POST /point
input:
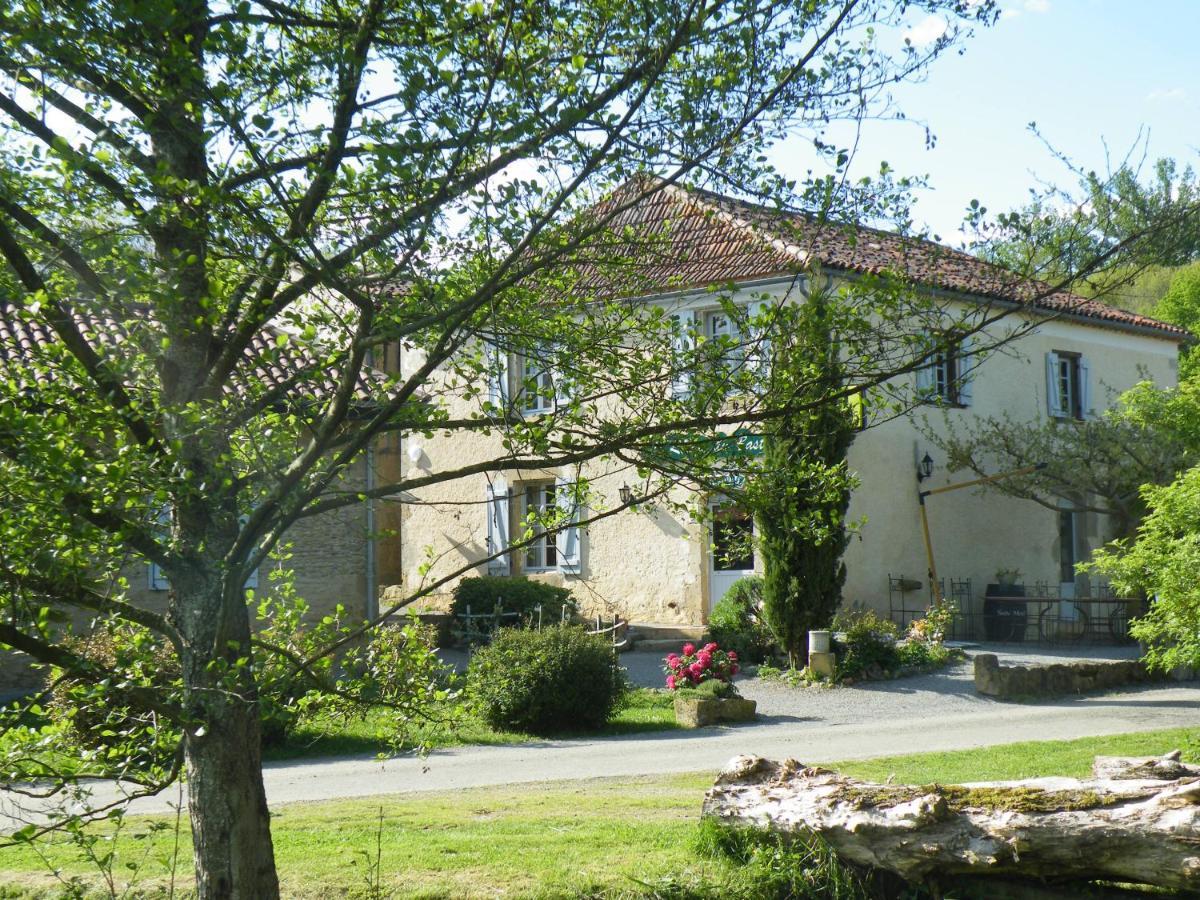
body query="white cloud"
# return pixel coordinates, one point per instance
(1161, 95)
(926, 31)
(1033, 6)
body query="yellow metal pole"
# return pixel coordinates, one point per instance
(921, 495)
(965, 484)
(933, 576)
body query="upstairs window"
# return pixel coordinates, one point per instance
(1067, 389)
(946, 380)
(538, 386)
(720, 326)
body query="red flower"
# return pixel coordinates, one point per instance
(689, 649)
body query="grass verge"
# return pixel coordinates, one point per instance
(603, 838)
(645, 710)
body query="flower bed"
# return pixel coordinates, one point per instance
(702, 681)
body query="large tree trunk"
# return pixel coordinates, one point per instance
(231, 829)
(227, 804)
(1137, 821)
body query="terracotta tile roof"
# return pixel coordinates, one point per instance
(689, 238)
(26, 339)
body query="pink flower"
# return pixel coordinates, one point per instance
(710, 647)
(695, 670)
(689, 649)
(732, 654)
(670, 682)
(704, 658)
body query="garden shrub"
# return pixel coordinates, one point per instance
(520, 595)
(545, 681)
(737, 623)
(868, 645)
(922, 654)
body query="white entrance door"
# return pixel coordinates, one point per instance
(732, 553)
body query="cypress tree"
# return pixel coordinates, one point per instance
(801, 497)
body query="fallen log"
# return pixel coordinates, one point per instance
(1128, 824)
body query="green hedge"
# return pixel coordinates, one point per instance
(515, 595)
(552, 680)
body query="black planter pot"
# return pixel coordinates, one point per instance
(1004, 613)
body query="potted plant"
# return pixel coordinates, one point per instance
(702, 681)
(1009, 577)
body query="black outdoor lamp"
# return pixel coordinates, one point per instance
(924, 468)
(626, 493)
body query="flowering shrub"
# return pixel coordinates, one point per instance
(933, 628)
(692, 667)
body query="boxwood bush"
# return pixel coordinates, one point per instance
(518, 595)
(546, 681)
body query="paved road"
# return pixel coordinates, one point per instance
(935, 712)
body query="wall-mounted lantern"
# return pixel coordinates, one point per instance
(924, 467)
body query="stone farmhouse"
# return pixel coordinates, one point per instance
(657, 569)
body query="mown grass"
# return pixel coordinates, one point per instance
(644, 710)
(1029, 759)
(604, 838)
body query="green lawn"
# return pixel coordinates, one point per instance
(595, 838)
(645, 710)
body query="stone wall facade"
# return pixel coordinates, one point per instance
(328, 553)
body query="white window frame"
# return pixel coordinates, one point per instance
(541, 555)
(538, 373)
(945, 381)
(720, 324)
(1067, 385)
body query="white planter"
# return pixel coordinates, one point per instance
(819, 641)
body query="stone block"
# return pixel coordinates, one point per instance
(696, 712)
(987, 674)
(822, 663)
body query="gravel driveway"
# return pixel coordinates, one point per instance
(947, 692)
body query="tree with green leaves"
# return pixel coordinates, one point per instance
(1160, 563)
(1097, 465)
(214, 218)
(1139, 225)
(801, 495)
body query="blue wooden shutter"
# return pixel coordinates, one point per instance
(497, 527)
(570, 548)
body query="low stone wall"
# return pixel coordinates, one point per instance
(1057, 679)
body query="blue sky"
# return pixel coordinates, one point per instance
(1087, 71)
